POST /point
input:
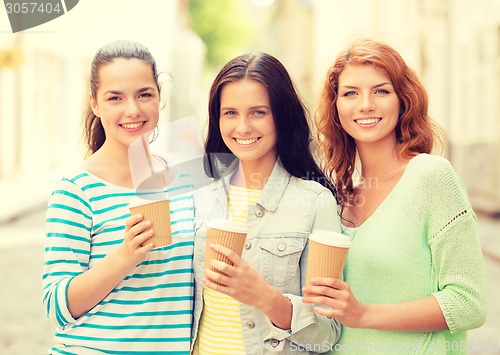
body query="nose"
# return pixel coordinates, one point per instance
(132, 109)
(244, 126)
(366, 103)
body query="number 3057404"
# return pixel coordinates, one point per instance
(32, 8)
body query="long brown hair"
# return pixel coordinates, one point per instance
(94, 131)
(289, 113)
(416, 132)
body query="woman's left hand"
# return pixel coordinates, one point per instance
(338, 298)
(241, 281)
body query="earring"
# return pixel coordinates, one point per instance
(155, 134)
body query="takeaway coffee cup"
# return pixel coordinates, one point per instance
(158, 213)
(327, 254)
(227, 233)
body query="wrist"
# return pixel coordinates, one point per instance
(268, 300)
(366, 318)
(276, 302)
(123, 259)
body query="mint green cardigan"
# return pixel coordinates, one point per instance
(420, 241)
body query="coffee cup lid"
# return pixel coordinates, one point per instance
(147, 199)
(228, 225)
(326, 237)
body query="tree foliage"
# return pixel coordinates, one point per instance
(223, 26)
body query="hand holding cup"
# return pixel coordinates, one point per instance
(327, 254)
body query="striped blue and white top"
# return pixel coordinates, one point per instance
(150, 311)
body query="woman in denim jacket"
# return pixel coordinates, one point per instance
(264, 176)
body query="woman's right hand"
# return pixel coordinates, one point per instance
(339, 300)
(135, 244)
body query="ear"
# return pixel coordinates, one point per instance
(93, 105)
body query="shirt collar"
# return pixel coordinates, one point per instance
(273, 191)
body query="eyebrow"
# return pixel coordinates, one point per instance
(251, 108)
(116, 92)
(373, 87)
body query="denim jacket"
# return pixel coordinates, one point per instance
(279, 225)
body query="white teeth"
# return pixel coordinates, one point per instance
(246, 141)
(367, 121)
(132, 125)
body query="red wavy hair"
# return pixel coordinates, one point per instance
(416, 132)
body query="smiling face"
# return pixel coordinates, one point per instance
(246, 122)
(127, 101)
(367, 105)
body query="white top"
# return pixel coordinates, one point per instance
(348, 230)
(330, 238)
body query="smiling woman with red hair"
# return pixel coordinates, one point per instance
(414, 277)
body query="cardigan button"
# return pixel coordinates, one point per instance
(259, 213)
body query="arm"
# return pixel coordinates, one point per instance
(92, 286)
(456, 253)
(289, 318)
(247, 285)
(309, 327)
(459, 300)
(67, 255)
(67, 247)
(422, 315)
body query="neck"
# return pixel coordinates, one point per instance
(252, 175)
(119, 159)
(111, 165)
(377, 160)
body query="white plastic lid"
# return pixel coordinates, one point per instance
(228, 225)
(147, 199)
(334, 239)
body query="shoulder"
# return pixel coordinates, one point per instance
(441, 187)
(435, 174)
(308, 186)
(79, 184)
(317, 194)
(205, 197)
(76, 176)
(431, 163)
(431, 169)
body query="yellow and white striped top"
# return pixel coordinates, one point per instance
(220, 329)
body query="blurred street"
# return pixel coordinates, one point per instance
(24, 328)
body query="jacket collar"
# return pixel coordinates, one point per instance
(273, 190)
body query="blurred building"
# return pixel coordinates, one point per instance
(454, 46)
(44, 74)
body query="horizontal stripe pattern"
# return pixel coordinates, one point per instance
(220, 329)
(238, 201)
(150, 311)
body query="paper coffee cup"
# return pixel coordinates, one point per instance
(227, 233)
(158, 213)
(327, 254)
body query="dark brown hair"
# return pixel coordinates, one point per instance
(94, 131)
(289, 113)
